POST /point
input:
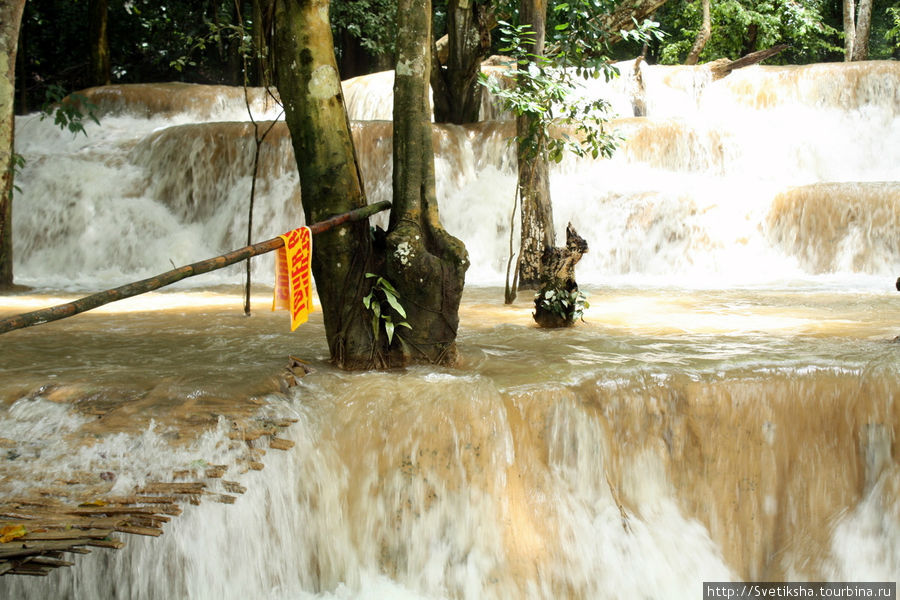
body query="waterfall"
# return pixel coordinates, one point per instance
(705, 190)
(451, 487)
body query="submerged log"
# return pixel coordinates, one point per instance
(81, 305)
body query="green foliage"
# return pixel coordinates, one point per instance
(372, 22)
(743, 26)
(147, 39)
(545, 86)
(215, 35)
(383, 302)
(892, 35)
(566, 304)
(67, 111)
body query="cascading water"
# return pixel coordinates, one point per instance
(727, 411)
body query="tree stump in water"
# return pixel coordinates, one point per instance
(558, 302)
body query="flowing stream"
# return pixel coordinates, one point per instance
(728, 410)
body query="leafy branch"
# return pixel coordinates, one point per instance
(216, 34)
(67, 110)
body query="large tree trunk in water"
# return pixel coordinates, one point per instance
(330, 182)
(537, 210)
(702, 36)
(534, 173)
(10, 19)
(99, 19)
(459, 97)
(425, 264)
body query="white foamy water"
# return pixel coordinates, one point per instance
(689, 198)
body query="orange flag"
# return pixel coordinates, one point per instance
(293, 277)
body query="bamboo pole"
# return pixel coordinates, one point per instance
(61, 311)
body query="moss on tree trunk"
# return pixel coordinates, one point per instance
(425, 263)
(418, 257)
(330, 182)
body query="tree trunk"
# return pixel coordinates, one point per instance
(849, 28)
(534, 172)
(425, 263)
(234, 61)
(10, 19)
(857, 21)
(330, 182)
(863, 24)
(99, 19)
(537, 210)
(468, 25)
(558, 278)
(261, 32)
(702, 36)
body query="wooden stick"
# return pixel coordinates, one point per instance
(67, 535)
(81, 305)
(173, 488)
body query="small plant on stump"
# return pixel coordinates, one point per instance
(559, 307)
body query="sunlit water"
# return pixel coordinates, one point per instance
(727, 410)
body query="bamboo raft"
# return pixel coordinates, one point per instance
(38, 532)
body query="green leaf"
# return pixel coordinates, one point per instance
(386, 286)
(395, 304)
(389, 328)
(375, 326)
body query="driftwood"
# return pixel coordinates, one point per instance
(722, 67)
(81, 305)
